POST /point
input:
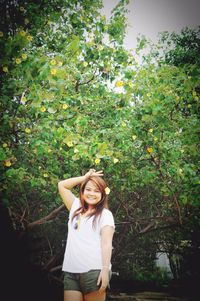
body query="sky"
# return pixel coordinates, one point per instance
(148, 17)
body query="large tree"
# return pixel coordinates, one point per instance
(73, 97)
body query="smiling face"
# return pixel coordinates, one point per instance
(92, 195)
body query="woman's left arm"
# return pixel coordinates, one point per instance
(106, 250)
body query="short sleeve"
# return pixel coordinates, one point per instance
(76, 204)
(107, 219)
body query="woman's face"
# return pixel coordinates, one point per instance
(91, 194)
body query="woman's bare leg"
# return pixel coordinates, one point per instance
(73, 296)
(97, 296)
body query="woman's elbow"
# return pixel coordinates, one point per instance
(107, 245)
(60, 185)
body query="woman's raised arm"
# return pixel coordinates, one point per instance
(64, 188)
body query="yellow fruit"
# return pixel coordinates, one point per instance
(23, 99)
(45, 175)
(5, 69)
(180, 171)
(24, 56)
(97, 161)
(115, 160)
(107, 190)
(29, 38)
(22, 33)
(22, 8)
(119, 84)
(69, 143)
(18, 61)
(134, 137)
(123, 124)
(7, 163)
(53, 71)
(85, 64)
(149, 150)
(4, 145)
(43, 109)
(53, 62)
(27, 130)
(26, 21)
(65, 106)
(150, 130)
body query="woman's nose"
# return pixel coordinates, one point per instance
(91, 193)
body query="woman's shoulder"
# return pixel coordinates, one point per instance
(107, 212)
(75, 205)
(107, 218)
(76, 201)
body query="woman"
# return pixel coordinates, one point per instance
(91, 226)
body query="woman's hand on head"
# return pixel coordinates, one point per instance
(94, 173)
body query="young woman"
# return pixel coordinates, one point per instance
(87, 259)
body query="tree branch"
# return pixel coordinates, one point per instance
(48, 217)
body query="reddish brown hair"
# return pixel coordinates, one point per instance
(103, 203)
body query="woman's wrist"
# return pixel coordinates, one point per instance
(85, 176)
(105, 267)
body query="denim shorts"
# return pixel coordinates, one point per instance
(83, 282)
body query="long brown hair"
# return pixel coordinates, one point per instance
(103, 203)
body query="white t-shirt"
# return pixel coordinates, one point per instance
(83, 249)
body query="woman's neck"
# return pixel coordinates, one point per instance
(89, 210)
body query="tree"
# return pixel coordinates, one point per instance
(55, 70)
(72, 98)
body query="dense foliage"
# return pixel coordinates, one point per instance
(72, 98)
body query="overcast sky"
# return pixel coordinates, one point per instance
(149, 17)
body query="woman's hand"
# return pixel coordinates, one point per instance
(94, 173)
(103, 280)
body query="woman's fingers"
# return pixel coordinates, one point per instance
(100, 172)
(103, 280)
(102, 287)
(93, 172)
(96, 173)
(99, 279)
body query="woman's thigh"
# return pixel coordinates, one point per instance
(73, 296)
(97, 296)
